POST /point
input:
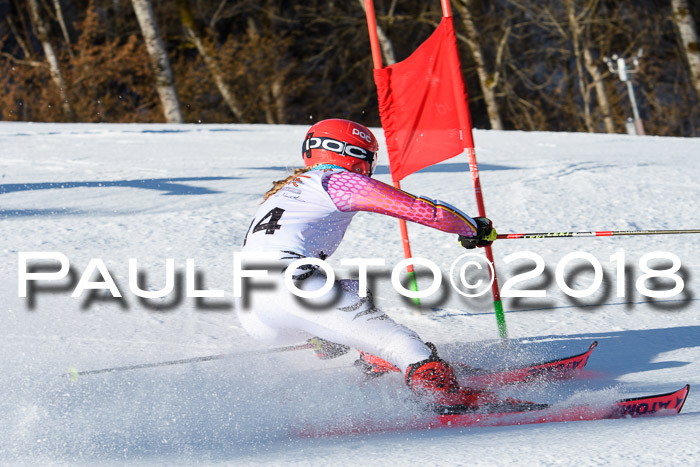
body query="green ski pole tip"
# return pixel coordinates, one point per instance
(73, 374)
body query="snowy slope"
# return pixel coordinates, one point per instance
(154, 192)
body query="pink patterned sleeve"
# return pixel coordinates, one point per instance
(354, 192)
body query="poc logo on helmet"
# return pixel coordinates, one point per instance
(362, 135)
(339, 147)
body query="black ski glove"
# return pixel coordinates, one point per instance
(485, 235)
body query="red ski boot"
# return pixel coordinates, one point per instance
(434, 380)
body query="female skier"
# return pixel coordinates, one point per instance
(306, 215)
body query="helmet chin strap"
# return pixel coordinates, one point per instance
(334, 167)
(327, 166)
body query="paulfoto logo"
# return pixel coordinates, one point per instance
(470, 275)
(564, 267)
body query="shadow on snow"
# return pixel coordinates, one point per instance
(169, 186)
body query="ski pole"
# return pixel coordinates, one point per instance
(74, 373)
(603, 233)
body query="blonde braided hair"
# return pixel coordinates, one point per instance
(277, 186)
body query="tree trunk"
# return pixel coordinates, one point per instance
(594, 71)
(488, 81)
(159, 59)
(601, 94)
(279, 98)
(51, 58)
(575, 28)
(689, 37)
(583, 54)
(195, 35)
(20, 41)
(64, 29)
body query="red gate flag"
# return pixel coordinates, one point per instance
(418, 105)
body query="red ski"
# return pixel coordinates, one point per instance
(554, 369)
(657, 405)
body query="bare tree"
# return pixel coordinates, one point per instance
(565, 42)
(271, 68)
(575, 28)
(62, 23)
(194, 34)
(159, 59)
(487, 80)
(689, 37)
(579, 23)
(26, 50)
(51, 57)
(600, 92)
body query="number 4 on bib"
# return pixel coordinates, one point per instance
(270, 226)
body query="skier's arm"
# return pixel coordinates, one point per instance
(354, 192)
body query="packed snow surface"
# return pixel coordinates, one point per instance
(156, 192)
